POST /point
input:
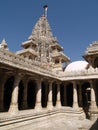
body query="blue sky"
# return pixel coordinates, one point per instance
(73, 22)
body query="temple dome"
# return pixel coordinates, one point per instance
(77, 66)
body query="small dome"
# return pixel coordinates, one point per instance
(77, 66)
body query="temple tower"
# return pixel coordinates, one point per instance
(42, 46)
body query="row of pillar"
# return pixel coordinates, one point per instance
(14, 99)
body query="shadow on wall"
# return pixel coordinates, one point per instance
(94, 126)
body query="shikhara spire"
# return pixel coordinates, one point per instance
(42, 46)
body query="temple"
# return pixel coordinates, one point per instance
(40, 82)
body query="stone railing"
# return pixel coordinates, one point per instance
(17, 61)
(86, 74)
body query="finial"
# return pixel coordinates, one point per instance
(4, 44)
(45, 10)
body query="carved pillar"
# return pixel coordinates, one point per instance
(24, 103)
(93, 107)
(14, 100)
(38, 105)
(93, 99)
(58, 102)
(75, 96)
(49, 103)
(2, 82)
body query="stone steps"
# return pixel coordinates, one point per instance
(29, 119)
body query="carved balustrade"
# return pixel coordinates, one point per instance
(17, 61)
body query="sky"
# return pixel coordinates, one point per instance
(73, 22)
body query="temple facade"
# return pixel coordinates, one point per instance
(41, 77)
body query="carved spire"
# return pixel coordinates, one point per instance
(4, 44)
(41, 28)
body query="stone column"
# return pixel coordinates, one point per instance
(38, 105)
(75, 96)
(2, 82)
(14, 99)
(49, 103)
(24, 103)
(58, 102)
(93, 105)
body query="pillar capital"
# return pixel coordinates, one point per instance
(39, 79)
(58, 83)
(18, 76)
(79, 83)
(25, 79)
(74, 82)
(50, 82)
(91, 82)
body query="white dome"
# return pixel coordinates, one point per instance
(77, 66)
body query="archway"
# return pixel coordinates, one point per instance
(8, 92)
(69, 94)
(31, 94)
(20, 95)
(62, 94)
(54, 93)
(44, 91)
